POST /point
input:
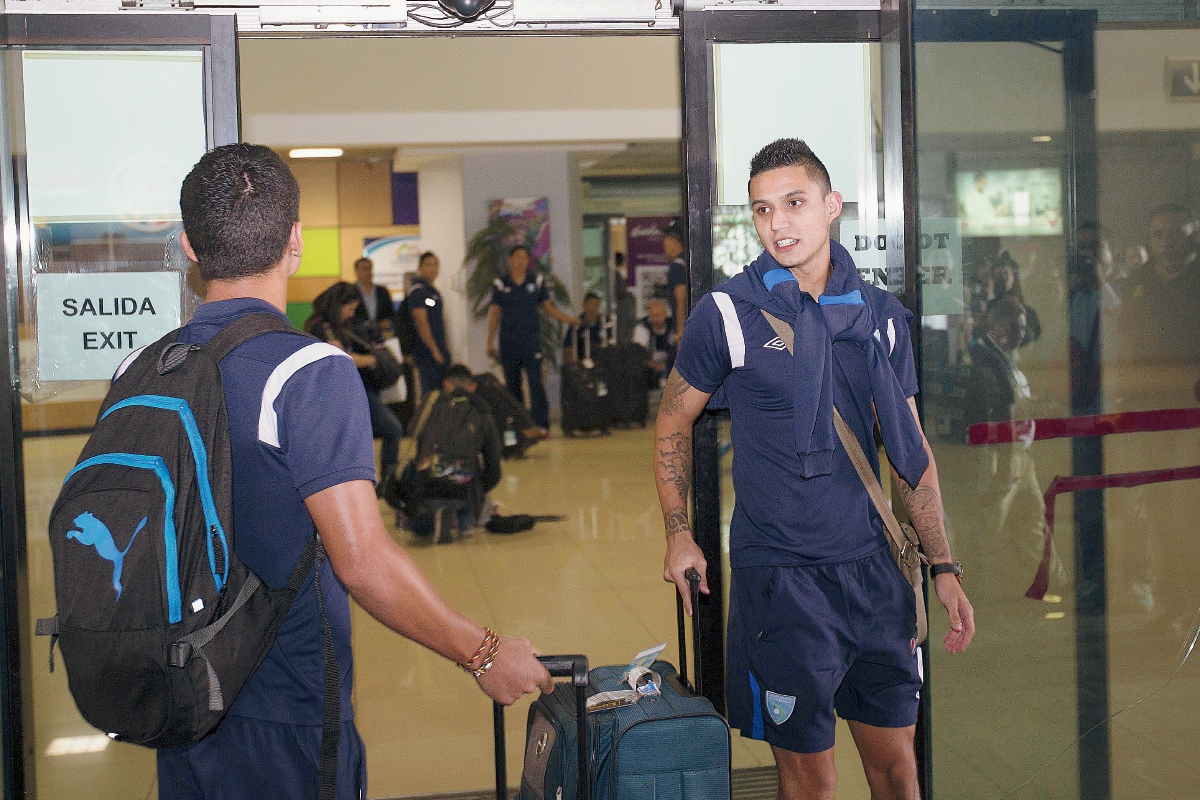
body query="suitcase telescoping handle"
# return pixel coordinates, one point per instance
(693, 579)
(575, 668)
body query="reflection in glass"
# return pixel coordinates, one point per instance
(1060, 403)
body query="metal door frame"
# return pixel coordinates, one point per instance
(217, 36)
(700, 30)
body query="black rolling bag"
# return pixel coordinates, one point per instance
(585, 402)
(627, 377)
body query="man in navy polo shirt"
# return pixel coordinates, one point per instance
(516, 299)
(821, 621)
(677, 275)
(425, 303)
(303, 459)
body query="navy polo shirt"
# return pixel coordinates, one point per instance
(676, 276)
(780, 518)
(520, 326)
(593, 333)
(298, 424)
(425, 295)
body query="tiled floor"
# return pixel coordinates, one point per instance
(1005, 712)
(590, 584)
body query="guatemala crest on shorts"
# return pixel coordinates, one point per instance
(780, 707)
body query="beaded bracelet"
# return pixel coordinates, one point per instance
(488, 650)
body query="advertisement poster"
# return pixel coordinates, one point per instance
(647, 263)
(531, 218)
(735, 242)
(394, 256)
(1010, 202)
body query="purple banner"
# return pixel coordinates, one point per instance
(643, 237)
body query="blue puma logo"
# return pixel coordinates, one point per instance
(95, 533)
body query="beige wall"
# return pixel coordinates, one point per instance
(349, 195)
(1131, 92)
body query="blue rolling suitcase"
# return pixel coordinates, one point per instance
(667, 747)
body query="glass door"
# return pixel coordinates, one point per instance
(751, 77)
(105, 115)
(1057, 150)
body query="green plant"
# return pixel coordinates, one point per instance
(488, 251)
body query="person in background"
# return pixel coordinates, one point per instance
(444, 424)
(335, 320)
(677, 276)
(626, 302)
(657, 335)
(590, 336)
(430, 354)
(516, 299)
(376, 309)
(1006, 282)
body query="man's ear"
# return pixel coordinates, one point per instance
(833, 205)
(186, 244)
(295, 249)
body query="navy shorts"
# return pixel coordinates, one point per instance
(808, 642)
(250, 759)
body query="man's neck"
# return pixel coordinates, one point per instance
(813, 275)
(366, 287)
(269, 286)
(519, 277)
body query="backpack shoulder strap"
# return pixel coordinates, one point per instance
(245, 328)
(425, 412)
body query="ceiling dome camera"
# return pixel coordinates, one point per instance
(466, 9)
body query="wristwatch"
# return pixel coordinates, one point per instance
(952, 567)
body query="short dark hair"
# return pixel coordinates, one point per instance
(791, 153)
(364, 260)
(590, 296)
(239, 204)
(425, 255)
(517, 247)
(458, 372)
(459, 377)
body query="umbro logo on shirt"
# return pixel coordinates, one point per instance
(775, 344)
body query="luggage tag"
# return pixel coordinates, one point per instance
(510, 438)
(602, 701)
(639, 676)
(601, 389)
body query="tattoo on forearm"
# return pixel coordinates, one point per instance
(675, 462)
(677, 523)
(924, 506)
(672, 399)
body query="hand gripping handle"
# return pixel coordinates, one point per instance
(574, 667)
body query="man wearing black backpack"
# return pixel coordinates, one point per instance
(302, 458)
(457, 462)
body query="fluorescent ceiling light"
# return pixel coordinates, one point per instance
(315, 152)
(1043, 138)
(74, 745)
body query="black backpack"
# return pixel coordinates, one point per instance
(449, 438)
(159, 623)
